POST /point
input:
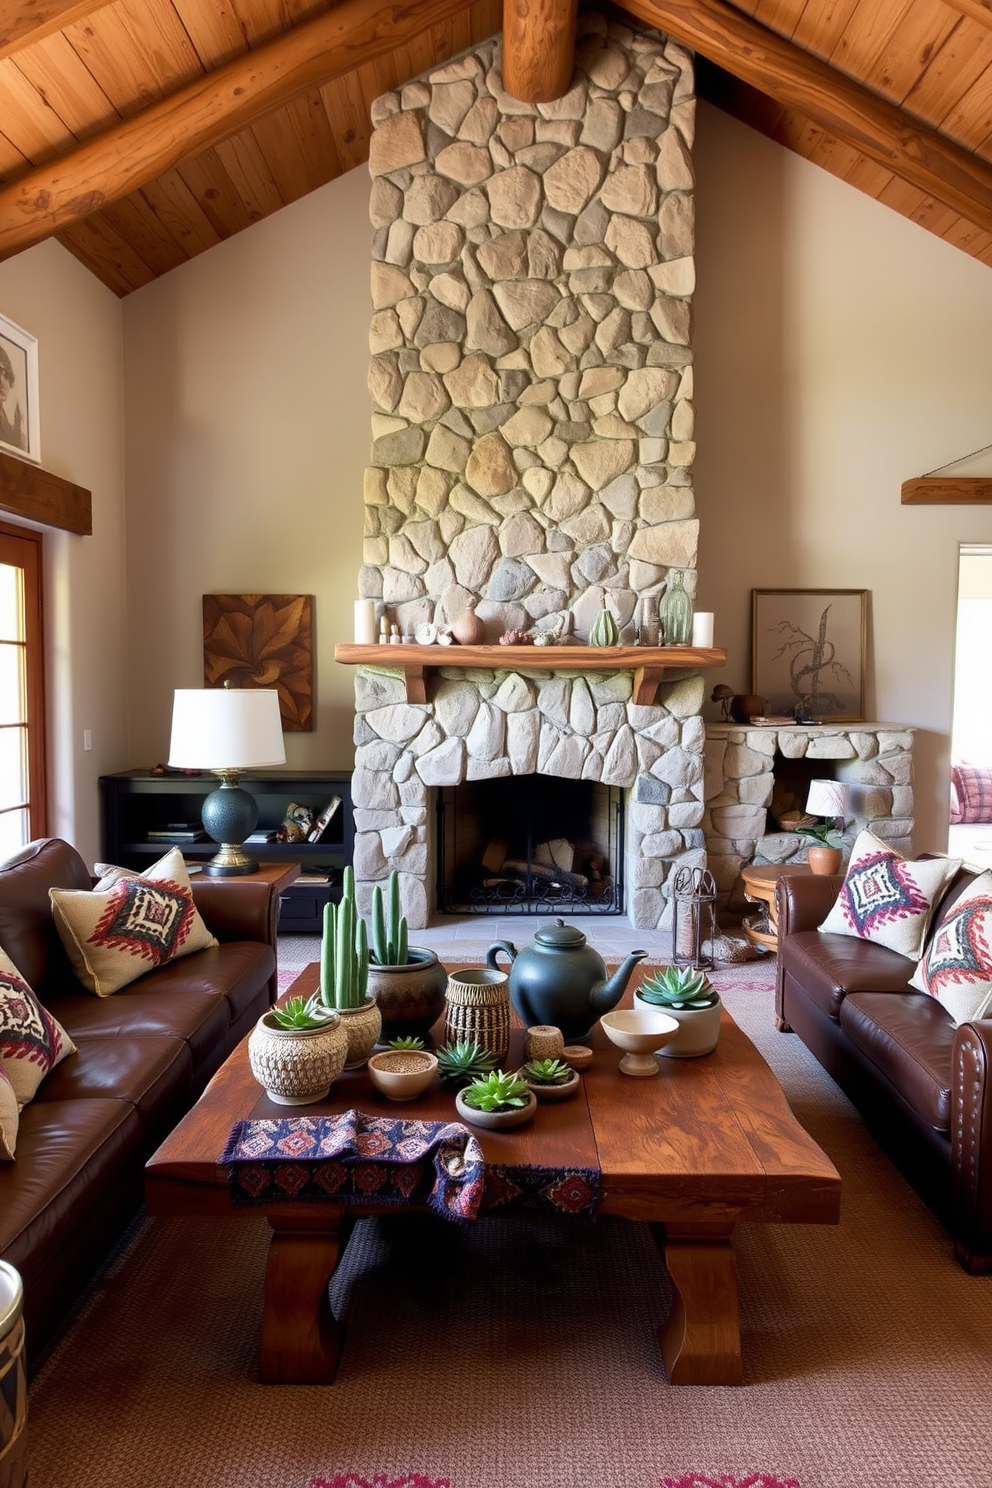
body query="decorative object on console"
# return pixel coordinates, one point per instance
(829, 799)
(887, 898)
(20, 423)
(689, 997)
(675, 614)
(640, 1032)
(299, 1064)
(693, 916)
(344, 970)
(561, 980)
(810, 644)
(468, 629)
(956, 965)
(262, 640)
(228, 730)
(477, 1008)
(297, 824)
(128, 923)
(604, 630)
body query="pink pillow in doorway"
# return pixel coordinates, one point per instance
(971, 793)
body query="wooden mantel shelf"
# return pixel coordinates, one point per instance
(650, 664)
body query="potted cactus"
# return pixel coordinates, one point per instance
(689, 997)
(496, 1100)
(298, 1050)
(344, 970)
(550, 1079)
(408, 982)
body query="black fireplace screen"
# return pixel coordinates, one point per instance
(530, 844)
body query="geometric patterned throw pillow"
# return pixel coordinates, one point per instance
(115, 934)
(887, 898)
(9, 1116)
(956, 966)
(31, 1041)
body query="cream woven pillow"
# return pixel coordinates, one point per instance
(31, 1041)
(9, 1117)
(129, 924)
(887, 898)
(956, 966)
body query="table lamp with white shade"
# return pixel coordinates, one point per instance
(227, 730)
(827, 799)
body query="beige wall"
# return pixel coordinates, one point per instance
(78, 325)
(247, 424)
(840, 350)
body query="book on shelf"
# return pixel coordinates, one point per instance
(176, 834)
(312, 877)
(324, 819)
(271, 835)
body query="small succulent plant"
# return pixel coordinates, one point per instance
(547, 1072)
(679, 987)
(408, 1041)
(302, 1012)
(464, 1060)
(497, 1091)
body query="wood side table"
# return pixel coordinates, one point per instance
(759, 881)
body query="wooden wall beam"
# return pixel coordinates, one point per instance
(38, 496)
(910, 149)
(538, 48)
(25, 21)
(975, 10)
(180, 127)
(946, 490)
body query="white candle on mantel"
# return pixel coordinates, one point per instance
(702, 628)
(364, 622)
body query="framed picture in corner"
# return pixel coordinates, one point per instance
(808, 652)
(20, 423)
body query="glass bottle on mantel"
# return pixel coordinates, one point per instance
(675, 612)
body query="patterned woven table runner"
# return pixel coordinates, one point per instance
(359, 1159)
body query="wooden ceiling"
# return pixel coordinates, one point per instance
(142, 132)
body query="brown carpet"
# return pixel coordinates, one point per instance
(524, 1356)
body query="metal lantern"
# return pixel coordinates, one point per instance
(693, 917)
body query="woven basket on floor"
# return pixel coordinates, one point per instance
(477, 1006)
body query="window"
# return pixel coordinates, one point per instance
(22, 691)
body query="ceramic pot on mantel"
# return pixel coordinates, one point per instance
(468, 629)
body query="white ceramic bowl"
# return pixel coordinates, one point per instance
(641, 1032)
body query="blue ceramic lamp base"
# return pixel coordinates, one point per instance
(229, 815)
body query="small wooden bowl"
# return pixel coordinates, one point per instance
(577, 1055)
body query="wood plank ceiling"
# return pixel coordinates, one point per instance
(142, 132)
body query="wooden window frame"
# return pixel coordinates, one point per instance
(24, 548)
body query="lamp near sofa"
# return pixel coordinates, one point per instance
(827, 799)
(227, 730)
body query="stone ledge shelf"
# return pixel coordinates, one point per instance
(649, 664)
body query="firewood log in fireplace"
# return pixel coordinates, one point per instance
(544, 873)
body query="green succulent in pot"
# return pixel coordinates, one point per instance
(547, 1072)
(464, 1060)
(408, 1043)
(497, 1091)
(679, 987)
(302, 1012)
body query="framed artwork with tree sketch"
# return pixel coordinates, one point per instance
(808, 649)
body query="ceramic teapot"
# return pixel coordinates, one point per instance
(560, 980)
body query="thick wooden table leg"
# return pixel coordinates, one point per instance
(301, 1341)
(701, 1338)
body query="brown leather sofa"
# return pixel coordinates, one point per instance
(922, 1083)
(144, 1055)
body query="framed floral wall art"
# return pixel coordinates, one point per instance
(20, 423)
(263, 640)
(808, 649)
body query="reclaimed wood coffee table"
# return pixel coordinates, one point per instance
(706, 1145)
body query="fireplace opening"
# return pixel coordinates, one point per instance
(530, 844)
(790, 788)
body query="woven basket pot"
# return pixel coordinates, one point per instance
(297, 1066)
(362, 1025)
(477, 1006)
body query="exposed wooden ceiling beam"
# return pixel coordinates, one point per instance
(182, 126)
(975, 10)
(25, 21)
(538, 48)
(872, 125)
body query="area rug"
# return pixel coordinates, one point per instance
(523, 1354)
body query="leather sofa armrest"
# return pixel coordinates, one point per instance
(802, 902)
(971, 1160)
(235, 910)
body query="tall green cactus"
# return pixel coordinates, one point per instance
(389, 927)
(344, 951)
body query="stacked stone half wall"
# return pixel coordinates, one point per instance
(532, 427)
